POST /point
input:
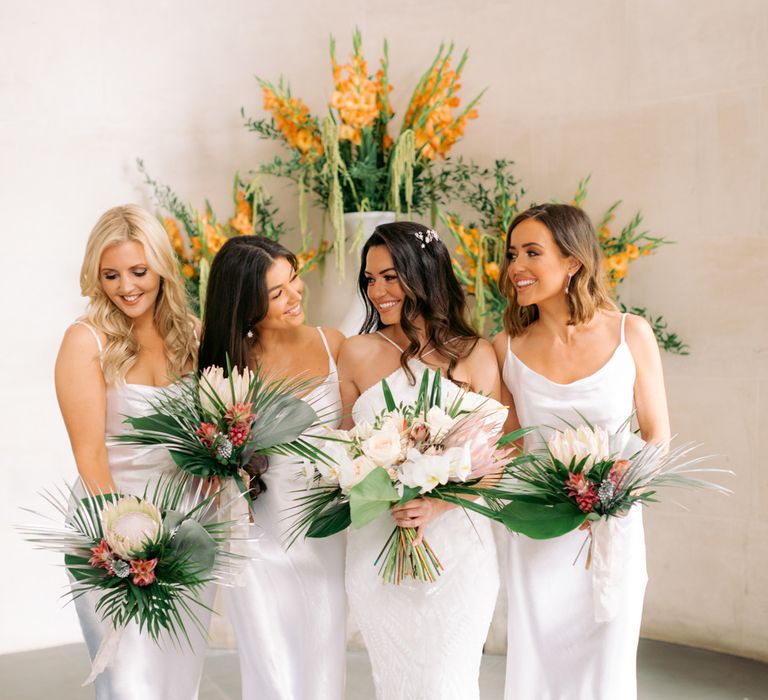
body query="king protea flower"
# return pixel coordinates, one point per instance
(129, 525)
(592, 443)
(230, 390)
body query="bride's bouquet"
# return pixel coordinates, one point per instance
(214, 425)
(586, 478)
(147, 558)
(427, 449)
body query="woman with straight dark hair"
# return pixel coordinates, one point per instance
(425, 640)
(290, 615)
(568, 355)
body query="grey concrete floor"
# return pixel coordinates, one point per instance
(665, 672)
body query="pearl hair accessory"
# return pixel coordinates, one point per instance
(426, 237)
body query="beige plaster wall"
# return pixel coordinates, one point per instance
(665, 103)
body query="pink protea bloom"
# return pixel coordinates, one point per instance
(101, 556)
(207, 433)
(481, 431)
(143, 571)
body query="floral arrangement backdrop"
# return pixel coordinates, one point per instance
(349, 162)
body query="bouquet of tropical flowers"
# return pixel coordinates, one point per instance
(215, 423)
(586, 478)
(411, 450)
(349, 161)
(147, 557)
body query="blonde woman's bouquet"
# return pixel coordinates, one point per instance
(147, 558)
(586, 478)
(425, 449)
(215, 423)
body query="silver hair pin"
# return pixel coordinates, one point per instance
(426, 237)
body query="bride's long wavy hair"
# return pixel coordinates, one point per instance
(431, 290)
(171, 317)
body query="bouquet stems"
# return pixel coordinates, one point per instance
(400, 558)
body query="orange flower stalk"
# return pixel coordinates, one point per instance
(298, 127)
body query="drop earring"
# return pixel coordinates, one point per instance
(568, 283)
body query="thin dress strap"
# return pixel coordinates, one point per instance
(331, 361)
(389, 340)
(623, 319)
(424, 354)
(93, 333)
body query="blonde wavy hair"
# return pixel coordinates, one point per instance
(574, 236)
(172, 320)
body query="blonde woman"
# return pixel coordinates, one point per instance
(135, 339)
(568, 354)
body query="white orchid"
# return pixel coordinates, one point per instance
(592, 443)
(213, 381)
(439, 422)
(424, 471)
(460, 462)
(129, 525)
(384, 446)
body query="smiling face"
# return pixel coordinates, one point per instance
(384, 288)
(537, 268)
(127, 279)
(284, 291)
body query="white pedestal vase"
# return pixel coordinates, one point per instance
(342, 307)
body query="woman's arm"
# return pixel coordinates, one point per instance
(500, 350)
(82, 396)
(484, 371)
(349, 358)
(650, 394)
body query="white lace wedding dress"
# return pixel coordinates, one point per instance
(425, 641)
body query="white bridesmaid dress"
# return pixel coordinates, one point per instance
(556, 649)
(425, 641)
(289, 614)
(140, 670)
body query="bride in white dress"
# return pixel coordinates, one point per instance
(135, 338)
(567, 354)
(424, 640)
(289, 613)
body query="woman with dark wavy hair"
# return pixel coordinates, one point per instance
(425, 640)
(568, 354)
(290, 615)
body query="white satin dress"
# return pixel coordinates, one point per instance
(556, 650)
(424, 640)
(289, 617)
(140, 670)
